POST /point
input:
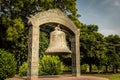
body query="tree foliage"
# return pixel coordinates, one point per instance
(14, 13)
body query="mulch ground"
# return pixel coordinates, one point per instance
(63, 78)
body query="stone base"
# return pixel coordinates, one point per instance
(76, 75)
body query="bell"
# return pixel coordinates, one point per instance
(57, 44)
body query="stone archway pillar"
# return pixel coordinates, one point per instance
(33, 56)
(76, 54)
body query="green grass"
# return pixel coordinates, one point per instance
(110, 76)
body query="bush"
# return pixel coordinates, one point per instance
(49, 65)
(23, 69)
(84, 68)
(7, 65)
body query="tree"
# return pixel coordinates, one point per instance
(113, 51)
(92, 46)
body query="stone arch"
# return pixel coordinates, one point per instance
(53, 15)
(50, 16)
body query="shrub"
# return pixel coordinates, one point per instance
(23, 69)
(84, 68)
(7, 65)
(49, 65)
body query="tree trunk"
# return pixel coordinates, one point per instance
(98, 69)
(114, 70)
(106, 68)
(90, 68)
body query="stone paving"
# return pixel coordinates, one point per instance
(71, 78)
(64, 78)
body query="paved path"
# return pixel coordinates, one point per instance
(64, 78)
(71, 78)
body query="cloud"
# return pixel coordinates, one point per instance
(111, 3)
(107, 32)
(116, 3)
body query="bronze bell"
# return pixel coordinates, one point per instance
(57, 44)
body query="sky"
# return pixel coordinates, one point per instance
(104, 13)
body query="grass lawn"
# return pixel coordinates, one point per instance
(110, 76)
